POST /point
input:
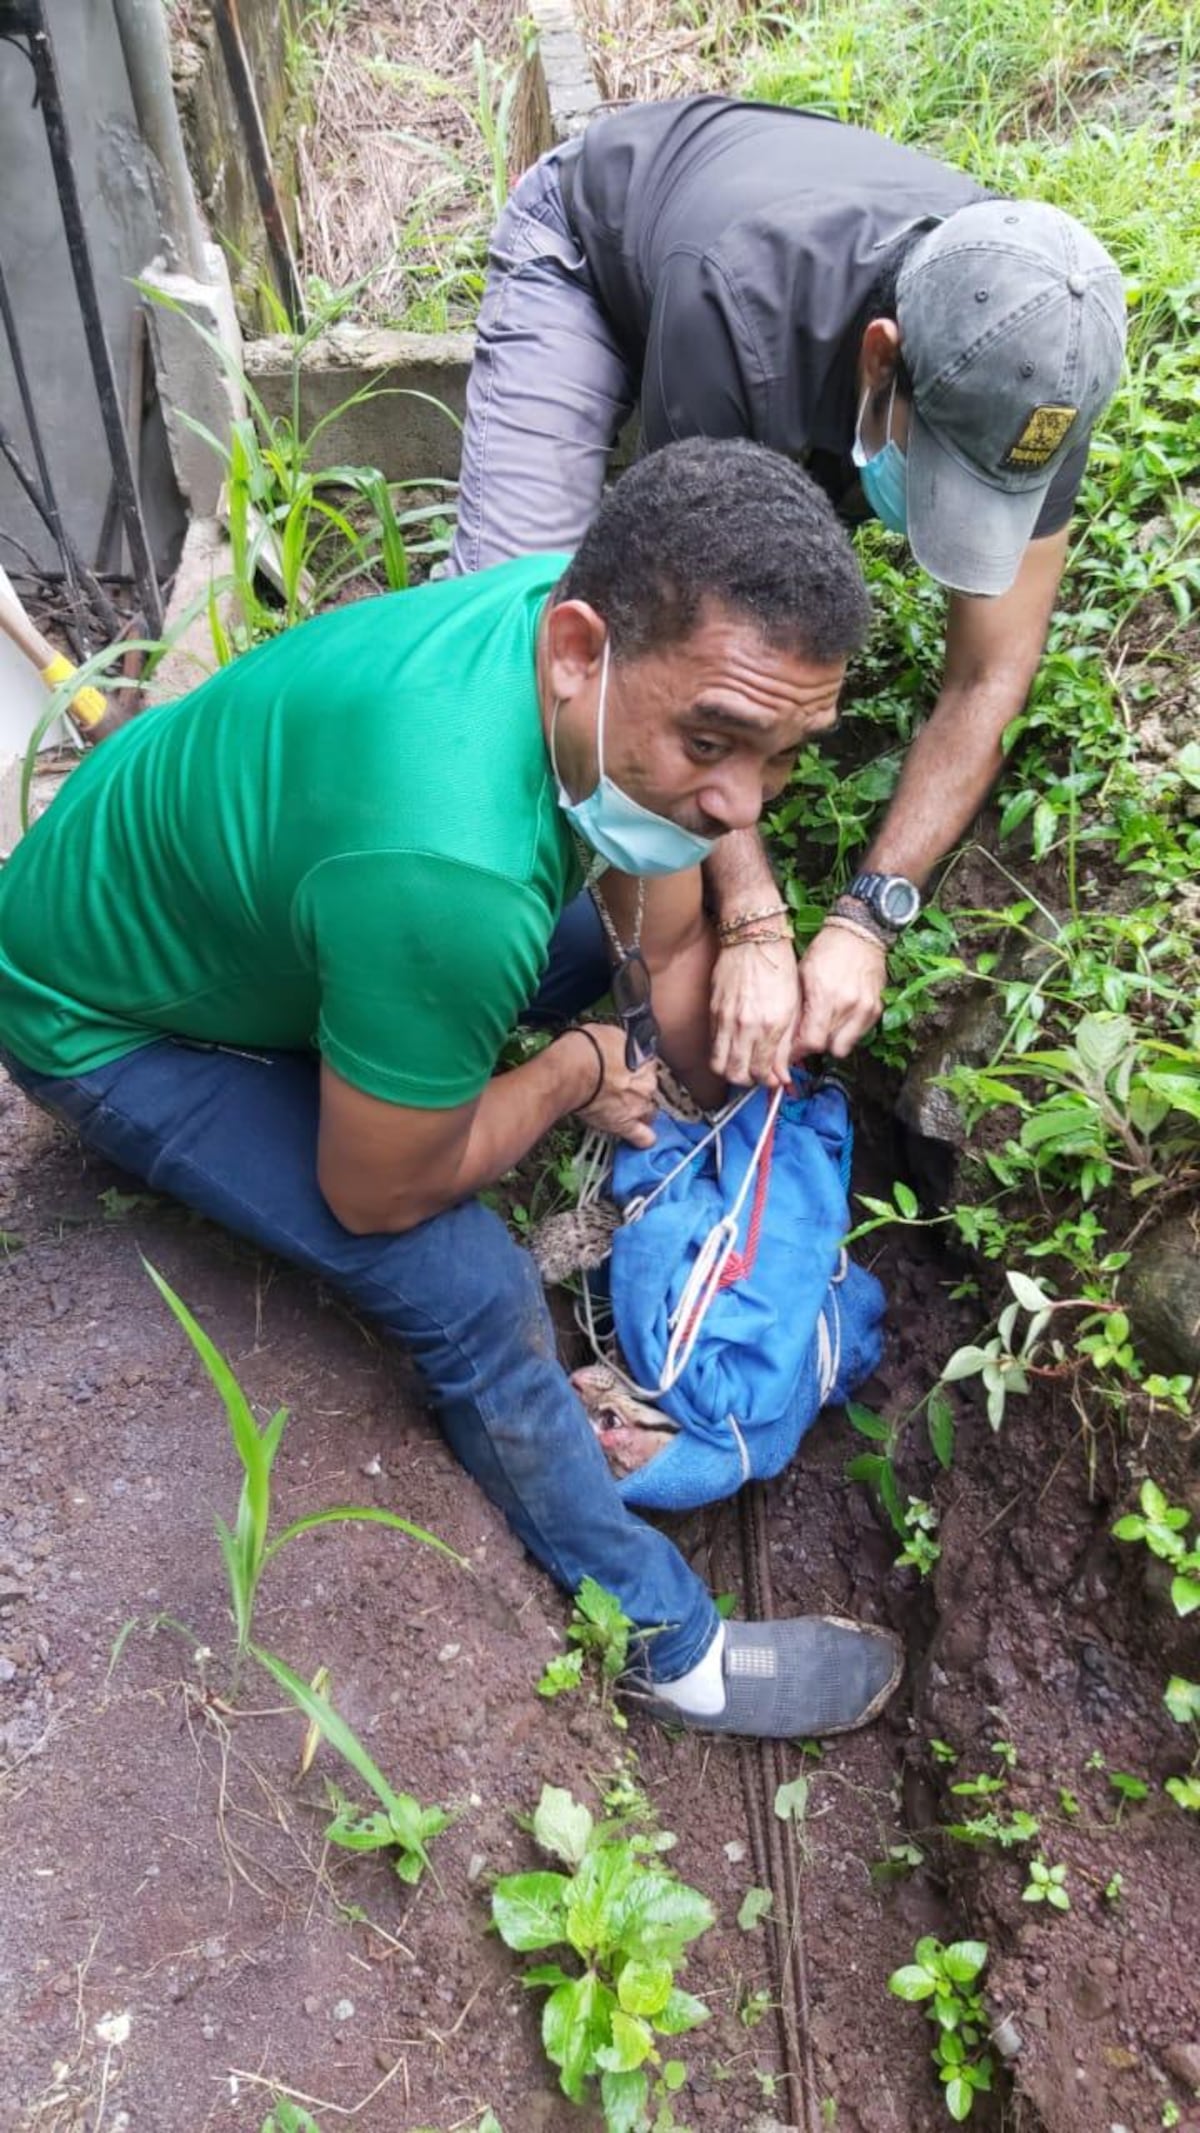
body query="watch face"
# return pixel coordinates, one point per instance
(898, 901)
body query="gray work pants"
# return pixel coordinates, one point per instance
(548, 392)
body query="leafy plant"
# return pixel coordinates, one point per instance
(245, 1547)
(946, 1978)
(400, 1825)
(285, 2116)
(600, 1631)
(626, 1925)
(1160, 1526)
(1046, 1884)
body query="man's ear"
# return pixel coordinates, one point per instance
(878, 355)
(575, 637)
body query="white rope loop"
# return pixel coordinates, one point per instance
(704, 1281)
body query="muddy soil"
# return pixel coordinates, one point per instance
(163, 1860)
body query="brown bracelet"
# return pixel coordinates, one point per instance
(859, 914)
(852, 925)
(728, 928)
(758, 940)
(577, 1030)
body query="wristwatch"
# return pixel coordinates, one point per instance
(892, 901)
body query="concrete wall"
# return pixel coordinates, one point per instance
(123, 233)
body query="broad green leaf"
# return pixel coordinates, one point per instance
(1182, 1699)
(674, 2074)
(357, 1832)
(867, 1423)
(644, 1988)
(561, 1825)
(939, 1418)
(1185, 1595)
(576, 2024)
(756, 1905)
(964, 1959)
(791, 1800)
(565, 2036)
(624, 2097)
(1027, 1292)
(597, 1892)
(1100, 1040)
(320, 1713)
(658, 1916)
(912, 1982)
(529, 1910)
(600, 1607)
(631, 2043)
(906, 1200)
(546, 1974)
(959, 2098)
(964, 1363)
(682, 2012)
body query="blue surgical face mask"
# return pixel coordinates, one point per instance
(623, 834)
(884, 475)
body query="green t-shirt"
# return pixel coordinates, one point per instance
(349, 838)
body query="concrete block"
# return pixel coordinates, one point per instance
(206, 562)
(396, 429)
(192, 379)
(558, 92)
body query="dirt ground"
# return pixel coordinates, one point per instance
(163, 1860)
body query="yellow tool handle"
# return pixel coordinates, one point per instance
(87, 705)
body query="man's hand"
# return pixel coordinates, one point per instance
(842, 976)
(754, 1003)
(625, 1103)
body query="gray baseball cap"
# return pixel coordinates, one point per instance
(1012, 328)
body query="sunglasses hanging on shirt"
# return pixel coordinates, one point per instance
(631, 986)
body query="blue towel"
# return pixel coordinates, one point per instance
(797, 1328)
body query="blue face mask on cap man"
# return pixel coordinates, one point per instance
(620, 831)
(884, 474)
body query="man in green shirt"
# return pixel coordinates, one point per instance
(266, 947)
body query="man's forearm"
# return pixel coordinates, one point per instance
(947, 775)
(513, 1113)
(738, 875)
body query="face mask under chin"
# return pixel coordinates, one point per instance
(617, 828)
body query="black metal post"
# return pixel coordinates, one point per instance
(76, 570)
(41, 52)
(48, 504)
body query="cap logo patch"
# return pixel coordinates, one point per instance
(1045, 428)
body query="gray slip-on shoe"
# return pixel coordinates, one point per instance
(814, 1674)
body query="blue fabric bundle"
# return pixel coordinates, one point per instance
(797, 1328)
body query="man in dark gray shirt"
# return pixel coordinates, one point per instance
(935, 356)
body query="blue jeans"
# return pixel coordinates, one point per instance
(234, 1135)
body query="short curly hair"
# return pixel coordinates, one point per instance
(727, 523)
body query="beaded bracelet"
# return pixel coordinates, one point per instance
(729, 928)
(577, 1029)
